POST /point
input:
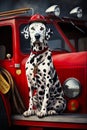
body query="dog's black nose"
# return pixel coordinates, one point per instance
(37, 36)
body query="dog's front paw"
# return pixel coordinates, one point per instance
(28, 113)
(41, 114)
(52, 112)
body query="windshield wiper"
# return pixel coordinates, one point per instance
(77, 27)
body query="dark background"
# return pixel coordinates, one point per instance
(41, 5)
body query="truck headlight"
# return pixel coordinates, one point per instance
(72, 87)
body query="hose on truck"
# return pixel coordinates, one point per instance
(7, 84)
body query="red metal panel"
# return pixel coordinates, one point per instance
(49, 124)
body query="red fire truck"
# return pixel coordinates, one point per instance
(69, 52)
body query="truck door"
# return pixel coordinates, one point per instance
(6, 48)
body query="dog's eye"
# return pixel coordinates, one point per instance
(41, 28)
(32, 28)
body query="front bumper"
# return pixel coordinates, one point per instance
(58, 121)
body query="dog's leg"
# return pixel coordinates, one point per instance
(57, 106)
(43, 111)
(30, 110)
(58, 103)
(47, 82)
(31, 84)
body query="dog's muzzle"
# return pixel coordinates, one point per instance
(37, 36)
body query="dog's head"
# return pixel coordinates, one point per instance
(37, 31)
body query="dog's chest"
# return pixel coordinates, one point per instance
(39, 59)
(40, 63)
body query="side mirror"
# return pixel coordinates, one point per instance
(77, 11)
(8, 56)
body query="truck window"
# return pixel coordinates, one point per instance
(56, 41)
(5, 41)
(77, 34)
(24, 39)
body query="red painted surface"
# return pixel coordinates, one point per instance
(72, 64)
(50, 124)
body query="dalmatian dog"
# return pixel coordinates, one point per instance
(48, 97)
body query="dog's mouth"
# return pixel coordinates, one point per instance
(37, 42)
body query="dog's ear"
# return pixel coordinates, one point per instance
(25, 32)
(49, 33)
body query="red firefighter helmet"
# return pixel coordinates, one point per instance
(37, 18)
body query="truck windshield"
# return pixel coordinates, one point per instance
(77, 34)
(56, 42)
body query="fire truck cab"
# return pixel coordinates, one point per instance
(69, 53)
